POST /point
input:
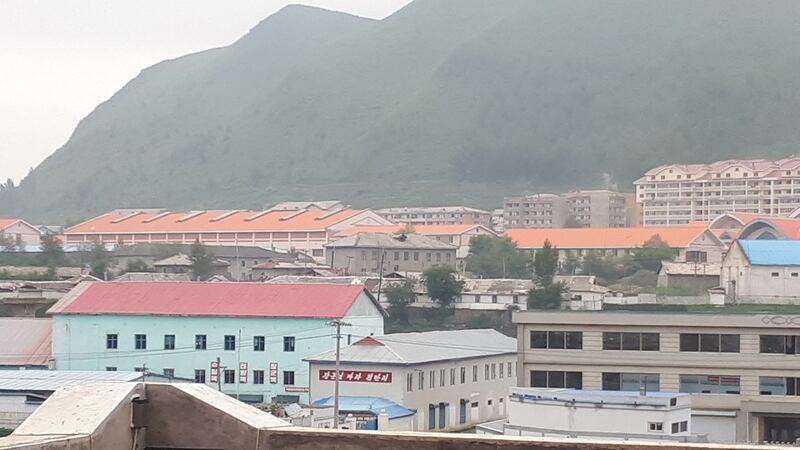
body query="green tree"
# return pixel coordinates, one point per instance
(496, 257)
(137, 265)
(547, 294)
(202, 259)
(442, 285)
(52, 253)
(546, 297)
(652, 252)
(399, 296)
(99, 260)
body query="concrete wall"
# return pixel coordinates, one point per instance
(357, 261)
(23, 233)
(14, 409)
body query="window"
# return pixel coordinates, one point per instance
(316, 252)
(428, 256)
(631, 341)
(416, 256)
(725, 343)
(441, 377)
(631, 382)
(571, 340)
(229, 376)
(775, 274)
(463, 375)
(432, 381)
(509, 370)
(779, 344)
(474, 374)
(709, 384)
(405, 256)
(486, 372)
(696, 256)
(502, 372)
(462, 411)
(199, 375)
(655, 427)
(452, 376)
(431, 417)
(199, 341)
(140, 341)
(556, 379)
(397, 256)
(409, 382)
(169, 373)
(230, 342)
(288, 343)
(259, 343)
(779, 386)
(288, 377)
(494, 371)
(258, 377)
(111, 369)
(169, 342)
(684, 426)
(112, 341)
(421, 380)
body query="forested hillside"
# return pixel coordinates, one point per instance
(446, 101)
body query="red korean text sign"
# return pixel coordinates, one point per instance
(363, 376)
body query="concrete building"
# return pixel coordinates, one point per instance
(303, 230)
(365, 253)
(437, 215)
(646, 416)
(260, 332)
(583, 208)
(26, 343)
(696, 276)
(182, 263)
(22, 391)
(765, 271)
(693, 242)
(20, 233)
(677, 194)
(453, 379)
(458, 235)
(740, 369)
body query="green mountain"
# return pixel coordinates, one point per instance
(446, 101)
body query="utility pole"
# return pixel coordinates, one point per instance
(338, 324)
(219, 375)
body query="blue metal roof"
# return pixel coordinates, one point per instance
(373, 405)
(772, 252)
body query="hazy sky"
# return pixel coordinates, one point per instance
(60, 58)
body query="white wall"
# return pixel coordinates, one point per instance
(717, 428)
(14, 410)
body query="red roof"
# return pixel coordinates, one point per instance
(26, 341)
(7, 222)
(427, 230)
(158, 221)
(165, 298)
(583, 238)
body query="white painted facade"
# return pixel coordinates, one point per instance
(748, 283)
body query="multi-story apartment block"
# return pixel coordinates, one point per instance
(740, 369)
(589, 208)
(677, 194)
(437, 215)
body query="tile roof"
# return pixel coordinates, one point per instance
(160, 221)
(7, 223)
(588, 238)
(384, 240)
(418, 348)
(427, 230)
(771, 252)
(26, 341)
(222, 299)
(373, 405)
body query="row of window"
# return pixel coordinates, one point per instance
(200, 342)
(228, 375)
(492, 371)
(407, 256)
(689, 342)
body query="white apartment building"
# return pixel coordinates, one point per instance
(437, 215)
(453, 379)
(677, 194)
(742, 370)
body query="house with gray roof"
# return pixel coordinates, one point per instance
(383, 253)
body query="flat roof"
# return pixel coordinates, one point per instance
(658, 319)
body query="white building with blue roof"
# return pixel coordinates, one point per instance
(762, 271)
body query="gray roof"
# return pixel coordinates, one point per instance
(500, 286)
(689, 268)
(418, 348)
(50, 380)
(389, 241)
(183, 260)
(296, 206)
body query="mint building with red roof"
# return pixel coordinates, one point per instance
(260, 332)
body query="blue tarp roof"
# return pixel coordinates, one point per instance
(368, 404)
(772, 252)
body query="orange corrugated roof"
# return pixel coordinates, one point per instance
(789, 227)
(427, 230)
(7, 222)
(210, 221)
(582, 238)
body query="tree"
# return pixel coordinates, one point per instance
(6, 243)
(201, 261)
(52, 251)
(99, 259)
(652, 252)
(547, 295)
(137, 265)
(399, 296)
(442, 285)
(496, 257)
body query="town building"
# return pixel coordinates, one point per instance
(628, 415)
(365, 253)
(22, 391)
(691, 276)
(458, 235)
(678, 194)
(365, 413)
(27, 343)
(583, 208)
(740, 369)
(20, 234)
(695, 243)
(258, 332)
(453, 379)
(303, 230)
(762, 271)
(183, 263)
(437, 215)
